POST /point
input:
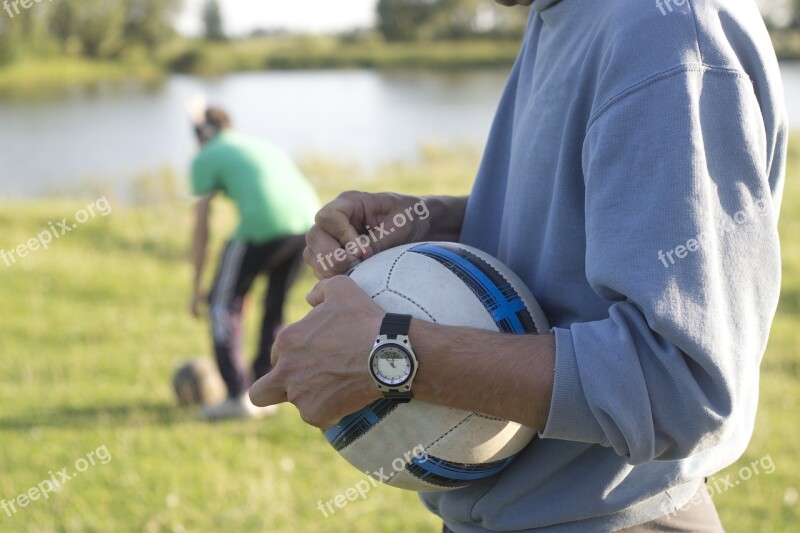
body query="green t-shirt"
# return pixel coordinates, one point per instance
(273, 198)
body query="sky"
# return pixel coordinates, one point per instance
(243, 16)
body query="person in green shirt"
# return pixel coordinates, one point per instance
(276, 206)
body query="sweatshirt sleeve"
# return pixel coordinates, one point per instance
(204, 178)
(681, 238)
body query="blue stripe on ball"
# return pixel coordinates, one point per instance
(352, 427)
(495, 293)
(451, 474)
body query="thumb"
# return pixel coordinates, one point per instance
(338, 224)
(327, 288)
(269, 390)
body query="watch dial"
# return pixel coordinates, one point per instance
(392, 365)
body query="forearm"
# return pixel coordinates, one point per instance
(446, 217)
(502, 375)
(199, 245)
(198, 259)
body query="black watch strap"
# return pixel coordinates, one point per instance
(400, 397)
(394, 325)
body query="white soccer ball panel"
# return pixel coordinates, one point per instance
(481, 439)
(397, 303)
(372, 274)
(431, 286)
(403, 430)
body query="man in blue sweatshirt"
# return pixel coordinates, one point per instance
(633, 180)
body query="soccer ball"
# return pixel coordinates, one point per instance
(197, 382)
(416, 445)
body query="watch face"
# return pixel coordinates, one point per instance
(392, 365)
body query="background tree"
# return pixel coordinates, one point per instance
(9, 42)
(212, 21)
(403, 20)
(63, 23)
(411, 20)
(148, 23)
(100, 27)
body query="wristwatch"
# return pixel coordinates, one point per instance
(392, 362)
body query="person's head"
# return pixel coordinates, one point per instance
(216, 120)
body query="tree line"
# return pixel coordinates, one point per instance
(97, 29)
(431, 20)
(111, 29)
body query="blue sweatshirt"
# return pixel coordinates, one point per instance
(633, 179)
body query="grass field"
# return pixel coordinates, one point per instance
(93, 327)
(42, 77)
(297, 52)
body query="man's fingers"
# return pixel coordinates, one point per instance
(338, 224)
(326, 255)
(326, 287)
(268, 390)
(317, 295)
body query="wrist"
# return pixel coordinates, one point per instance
(502, 375)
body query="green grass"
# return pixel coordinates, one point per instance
(282, 53)
(42, 77)
(93, 327)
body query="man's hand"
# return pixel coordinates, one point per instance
(320, 362)
(358, 225)
(363, 225)
(196, 303)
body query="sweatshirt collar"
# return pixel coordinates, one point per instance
(541, 5)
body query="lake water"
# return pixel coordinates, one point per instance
(110, 135)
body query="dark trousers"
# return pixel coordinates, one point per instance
(240, 264)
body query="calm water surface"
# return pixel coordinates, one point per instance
(365, 116)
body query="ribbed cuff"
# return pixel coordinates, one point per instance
(570, 417)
